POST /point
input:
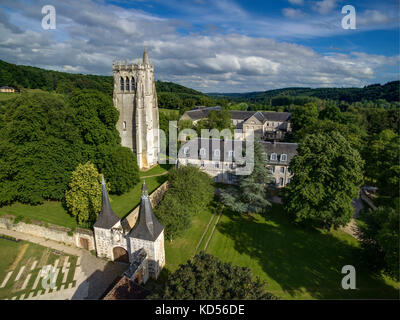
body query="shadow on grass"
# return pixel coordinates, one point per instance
(302, 261)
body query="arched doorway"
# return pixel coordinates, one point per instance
(120, 255)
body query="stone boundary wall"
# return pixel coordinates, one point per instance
(81, 238)
(155, 198)
(51, 232)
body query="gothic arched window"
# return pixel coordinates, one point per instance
(122, 84)
(127, 84)
(133, 84)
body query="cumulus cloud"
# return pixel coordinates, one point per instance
(325, 6)
(292, 13)
(90, 35)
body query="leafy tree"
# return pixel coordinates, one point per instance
(382, 162)
(190, 190)
(380, 239)
(207, 277)
(83, 199)
(121, 170)
(303, 116)
(219, 119)
(251, 194)
(327, 175)
(331, 112)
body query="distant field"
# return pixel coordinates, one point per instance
(7, 95)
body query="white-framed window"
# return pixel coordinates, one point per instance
(202, 164)
(216, 165)
(273, 156)
(283, 157)
(230, 153)
(186, 151)
(202, 152)
(281, 181)
(216, 152)
(273, 169)
(282, 170)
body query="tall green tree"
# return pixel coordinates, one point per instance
(380, 239)
(83, 199)
(250, 196)
(207, 277)
(327, 175)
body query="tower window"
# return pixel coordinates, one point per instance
(133, 84)
(122, 84)
(127, 84)
(124, 125)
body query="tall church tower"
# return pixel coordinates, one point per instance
(136, 99)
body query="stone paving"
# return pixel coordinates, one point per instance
(91, 278)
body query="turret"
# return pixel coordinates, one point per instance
(146, 60)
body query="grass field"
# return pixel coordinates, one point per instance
(15, 255)
(53, 212)
(157, 170)
(296, 263)
(169, 112)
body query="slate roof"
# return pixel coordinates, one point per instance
(290, 149)
(106, 218)
(263, 116)
(6, 87)
(147, 227)
(194, 146)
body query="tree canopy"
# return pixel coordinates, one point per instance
(207, 277)
(327, 175)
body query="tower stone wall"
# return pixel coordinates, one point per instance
(135, 98)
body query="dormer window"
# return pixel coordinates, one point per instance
(202, 152)
(283, 157)
(216, 153)
(230, 153)
(273, 157)
(186, 151)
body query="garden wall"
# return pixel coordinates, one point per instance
(155, 198)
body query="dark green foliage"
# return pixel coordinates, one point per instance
(327, 177)
(389, 92)
(380, 239)
(190, 190)
(382, 156)
(251, 194)
(303, 116)
(207, 277)
(45, 136)
(121, 170)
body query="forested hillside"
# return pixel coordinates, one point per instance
(389, 92)
(170, 95)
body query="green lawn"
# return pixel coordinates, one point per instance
(296, 263)
(15, 255)
(157, 170)
(124, 204)
(169, 112)
(53, 212)
(49, 212)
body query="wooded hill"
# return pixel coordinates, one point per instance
(389, 92)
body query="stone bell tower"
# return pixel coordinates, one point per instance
(136, 99)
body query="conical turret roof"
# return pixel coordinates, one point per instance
(106, 218)
(147, 227)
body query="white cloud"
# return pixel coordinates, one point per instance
(89, 36)
(292, 13)
(297, 2)
(325, 6)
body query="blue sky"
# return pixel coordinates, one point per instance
(220, 45)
